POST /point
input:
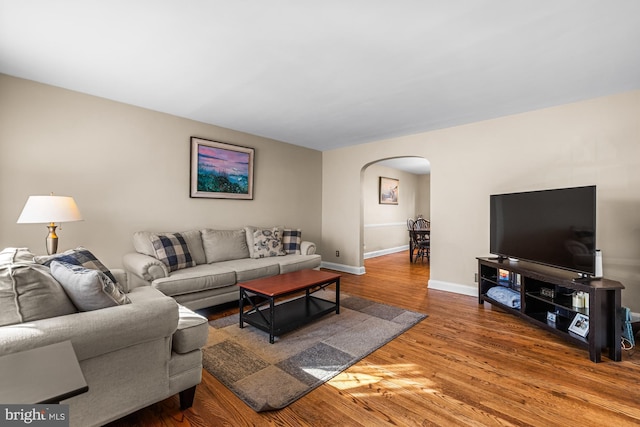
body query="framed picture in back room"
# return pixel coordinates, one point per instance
(389, 188)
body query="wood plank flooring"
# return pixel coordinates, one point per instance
(466, 364)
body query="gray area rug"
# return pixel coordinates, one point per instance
(271, 376)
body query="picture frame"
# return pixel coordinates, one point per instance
(389, 191)
(580, 325)
(220, 170)
(504, 275)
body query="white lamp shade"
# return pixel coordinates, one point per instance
(47, 209)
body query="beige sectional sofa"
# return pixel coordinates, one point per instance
(201, 268)
(133, 353)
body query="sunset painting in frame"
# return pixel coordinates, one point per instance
(221, 171)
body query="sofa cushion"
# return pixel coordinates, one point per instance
(88, 289)
(291, 240)
(142, 244)
(223, 245)
(267, 243)
(16, 256)
(196, 279)
(78, 256)
(28, 292)
(192, 331)
(172, 250)
(291, 263)
(249, 269)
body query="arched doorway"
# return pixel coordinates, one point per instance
(383, 222)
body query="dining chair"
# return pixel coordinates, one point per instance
(421, 239)
(422, 224)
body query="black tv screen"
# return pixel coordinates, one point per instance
(551, 227)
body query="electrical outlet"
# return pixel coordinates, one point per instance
(337, 254)
(475, 278)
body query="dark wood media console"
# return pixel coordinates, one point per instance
(546, 291)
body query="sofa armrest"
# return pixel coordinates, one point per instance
(150, 316)
(122, 277)
(307, 248)
(192, 333)
(145, 267)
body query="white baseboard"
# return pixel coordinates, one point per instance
(342, 267)
(386, 251)
(453, 287)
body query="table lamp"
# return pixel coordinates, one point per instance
(50, 209)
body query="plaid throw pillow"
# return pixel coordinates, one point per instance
(172, 250)
(78, 256)
(291, 240)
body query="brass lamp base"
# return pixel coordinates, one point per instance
(52, 239)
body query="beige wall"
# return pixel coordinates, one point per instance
(128, 170)
(590, 142)
(423, 197)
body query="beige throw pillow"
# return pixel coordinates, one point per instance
(224, 245)
(28, 292)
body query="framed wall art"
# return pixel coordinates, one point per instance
(389, 191)
(220, 170)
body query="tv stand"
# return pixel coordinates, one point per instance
(547, 291)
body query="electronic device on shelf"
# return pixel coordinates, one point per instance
(555, 227)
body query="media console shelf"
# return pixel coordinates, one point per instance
(546, 291)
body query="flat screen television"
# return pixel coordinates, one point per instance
(551, 227)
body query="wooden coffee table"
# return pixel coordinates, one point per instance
(276, 319)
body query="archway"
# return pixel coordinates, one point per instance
(383, 223)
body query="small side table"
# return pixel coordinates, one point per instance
(46, 374)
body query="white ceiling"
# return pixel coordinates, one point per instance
(416, 165)
(331, 73)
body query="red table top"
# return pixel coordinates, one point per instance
(289, 282)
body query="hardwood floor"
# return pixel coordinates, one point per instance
(465, 364)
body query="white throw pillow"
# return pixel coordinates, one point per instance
(88, 289)
(267, 243)
(28, 291)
